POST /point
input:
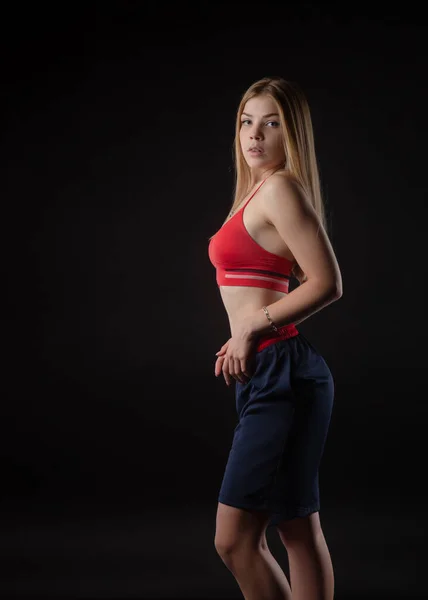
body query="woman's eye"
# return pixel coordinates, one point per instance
(275, 123)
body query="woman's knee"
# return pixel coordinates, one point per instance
(238, 529)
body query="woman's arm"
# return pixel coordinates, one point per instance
(295, 219)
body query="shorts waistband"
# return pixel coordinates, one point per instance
(284, 333)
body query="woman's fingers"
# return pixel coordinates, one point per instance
(218, 365)
(235, 370)
(226, 371)
(232, 368)
(238, 374)
(222, 351)
(221, 365)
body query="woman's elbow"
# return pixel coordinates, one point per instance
(338, 290)
(331, 288)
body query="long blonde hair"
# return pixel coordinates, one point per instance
(298, 139)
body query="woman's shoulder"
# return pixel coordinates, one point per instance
(283, 180)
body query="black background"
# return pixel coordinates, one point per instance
(116, 167)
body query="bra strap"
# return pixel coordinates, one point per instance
(254, 193)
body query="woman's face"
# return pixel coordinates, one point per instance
(260, 127)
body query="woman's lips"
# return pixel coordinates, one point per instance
(255, 151)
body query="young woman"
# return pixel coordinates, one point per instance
(284, 388)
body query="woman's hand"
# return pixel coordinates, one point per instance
(220, 361)
(235, 359)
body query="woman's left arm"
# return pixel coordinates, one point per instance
(288, 209)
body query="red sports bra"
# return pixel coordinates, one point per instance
(240, 260)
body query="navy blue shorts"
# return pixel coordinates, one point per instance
(284, 413)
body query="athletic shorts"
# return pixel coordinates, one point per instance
(284, 413)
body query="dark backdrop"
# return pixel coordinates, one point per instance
(116, 167)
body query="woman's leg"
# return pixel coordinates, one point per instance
(309, 561)
(311, 569)
(240, 541)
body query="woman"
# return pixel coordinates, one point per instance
(284, 388)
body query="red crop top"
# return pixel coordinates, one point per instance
(240, 260)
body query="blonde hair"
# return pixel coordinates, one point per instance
(298, 138)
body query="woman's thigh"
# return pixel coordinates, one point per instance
(300, 530)
(313, 388)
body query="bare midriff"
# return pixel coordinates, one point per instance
(241, 301)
